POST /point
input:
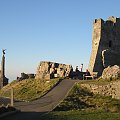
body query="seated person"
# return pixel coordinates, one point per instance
(87, 73)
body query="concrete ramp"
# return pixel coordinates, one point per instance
(50, 100)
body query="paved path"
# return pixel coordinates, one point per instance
(33, 110)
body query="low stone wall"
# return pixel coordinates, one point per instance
(25, 76)
(111, 89)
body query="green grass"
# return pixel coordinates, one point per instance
(81, 104)
(84, 100)
(80, 115)
(28, 89)
(98, 81)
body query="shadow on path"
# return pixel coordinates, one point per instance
(25, 116)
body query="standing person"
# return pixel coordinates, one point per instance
(81, 68)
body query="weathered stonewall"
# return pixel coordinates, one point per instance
(112, 72)
(105, 44)
(49, 70)
(25, 76)
(112, 89)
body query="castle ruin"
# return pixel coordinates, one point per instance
(49, 70)
(105, 44)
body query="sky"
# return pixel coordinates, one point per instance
(49, 30)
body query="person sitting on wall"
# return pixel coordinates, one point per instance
(87, 73)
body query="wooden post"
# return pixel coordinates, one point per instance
(12, 97)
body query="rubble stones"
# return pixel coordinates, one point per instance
(49, 70)
(112, 72)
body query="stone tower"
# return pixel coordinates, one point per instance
(3, 79)
(105, 44)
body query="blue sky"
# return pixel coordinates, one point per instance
(52, 30)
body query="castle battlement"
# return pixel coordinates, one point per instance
(106, 37)
(111, 20)
(98, 21)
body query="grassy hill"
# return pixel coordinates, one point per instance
(28, 89)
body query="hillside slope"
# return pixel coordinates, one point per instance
(28, 89)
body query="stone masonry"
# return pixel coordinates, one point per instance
(111, 89)
(112, 72)
(105, 44)
(26, 76)
(48, 70)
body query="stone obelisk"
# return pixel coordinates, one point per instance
(3, 69)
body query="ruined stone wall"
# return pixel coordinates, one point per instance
(105, 44)
(25, 76)
(111, 89)
(97, 25)
(112, 72)
(49, 70)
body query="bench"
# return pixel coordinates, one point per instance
(87, 77)
(93, 76)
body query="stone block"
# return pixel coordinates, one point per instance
(48, 69)
(112, 72)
